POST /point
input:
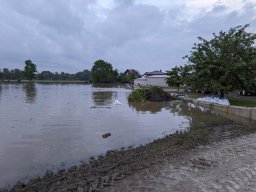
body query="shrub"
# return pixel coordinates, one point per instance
(149, 94)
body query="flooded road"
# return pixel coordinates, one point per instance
(52, 126)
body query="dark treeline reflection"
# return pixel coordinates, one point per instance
(30, 90)
(102, 97)
(152, 107)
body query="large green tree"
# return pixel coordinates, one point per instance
(178, 76)
(226, 62)
(29, 70)
(1, 75)
(102, 72)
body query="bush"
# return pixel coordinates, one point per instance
(149, 94)
(138, 95)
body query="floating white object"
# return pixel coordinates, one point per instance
(215, 100)
(116, 102)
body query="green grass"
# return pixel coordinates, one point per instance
(195, 95)
(243, 102)
(138, 95)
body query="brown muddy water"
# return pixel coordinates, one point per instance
(52, 126)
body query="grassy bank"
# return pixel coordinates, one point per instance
(243, 102)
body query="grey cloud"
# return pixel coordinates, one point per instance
(130, 23)
(70, 35)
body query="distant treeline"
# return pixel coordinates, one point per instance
(101, 72)
(17, 74)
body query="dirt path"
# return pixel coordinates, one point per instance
(228, 165)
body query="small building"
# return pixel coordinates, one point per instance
(140, 81)
(155, 78)
(135, 73)
(154, 73)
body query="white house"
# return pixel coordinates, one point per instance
(140, 81)
(155, 78)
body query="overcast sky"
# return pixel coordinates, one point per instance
(69, 35)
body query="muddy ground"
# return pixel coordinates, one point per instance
(220, 158)
(225, 166)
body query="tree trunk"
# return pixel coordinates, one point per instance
(221, 94)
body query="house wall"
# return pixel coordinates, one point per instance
(156, 81)
(140, 82)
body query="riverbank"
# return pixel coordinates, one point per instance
(118, 165)
(227, 165)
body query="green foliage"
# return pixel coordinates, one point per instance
(139, 95)
(80, 76)
(243, 102)
(45, 75)
(1, 75)
(131, 77)
(226, 62)
(149, 94)
(29, 70)
(178, 76)
(17, 74)
(85, 75)
(102, 72)
(126, 78)
(13, 74)
(122, 78)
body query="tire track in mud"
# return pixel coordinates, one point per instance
(224, 166)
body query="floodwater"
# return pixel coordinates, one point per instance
(52, 126)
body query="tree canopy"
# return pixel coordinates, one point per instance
(102, 72)
(178, 76)
(226, 62)
(29, 70)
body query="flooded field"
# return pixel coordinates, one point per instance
(52, 126)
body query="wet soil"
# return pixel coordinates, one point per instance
(224, 166)
(204, 159)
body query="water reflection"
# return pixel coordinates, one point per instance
(197, 115)
(152, 107)
(102, 97)
(104, 86)
(30, 90)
